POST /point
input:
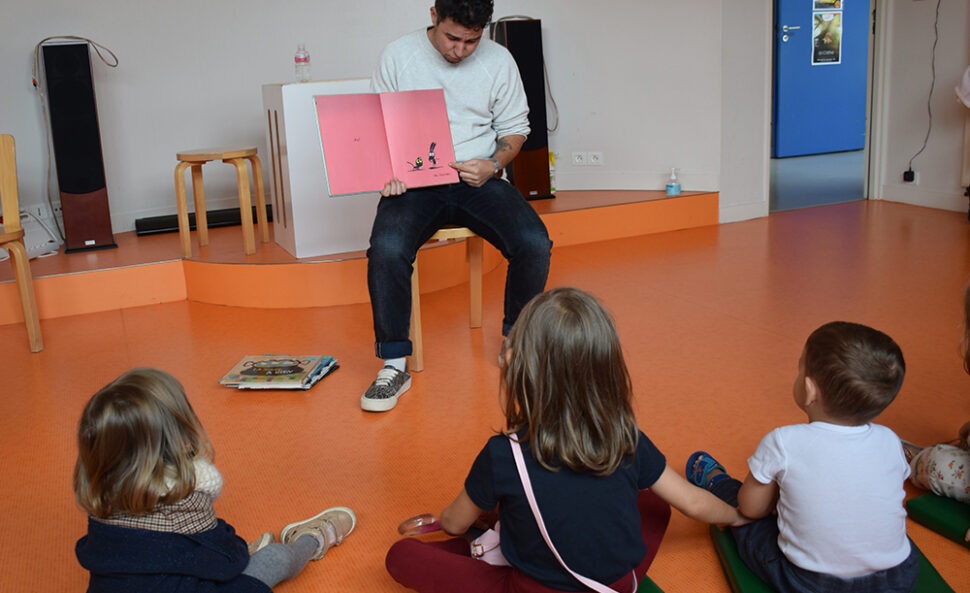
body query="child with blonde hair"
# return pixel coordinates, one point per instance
(598, 482)
(145, 476)
(836, 482)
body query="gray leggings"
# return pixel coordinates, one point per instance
(278, 562)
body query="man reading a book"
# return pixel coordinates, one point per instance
(488, 114)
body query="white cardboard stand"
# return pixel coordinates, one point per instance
(307, 220)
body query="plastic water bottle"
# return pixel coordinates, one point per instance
(673, 184)
(552, 172)
(301, 63)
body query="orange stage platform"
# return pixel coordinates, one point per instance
(149, 270)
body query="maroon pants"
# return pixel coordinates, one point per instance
(447, 566)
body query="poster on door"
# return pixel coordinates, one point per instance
(827, 38)
(827, 4)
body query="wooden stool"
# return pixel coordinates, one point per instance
(236, 156)
(473, 254)
(12, 239)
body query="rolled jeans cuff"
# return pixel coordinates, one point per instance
(389, 350)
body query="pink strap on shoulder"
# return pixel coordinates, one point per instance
(527, 485)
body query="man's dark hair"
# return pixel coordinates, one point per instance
(858, 370)
(474, 14)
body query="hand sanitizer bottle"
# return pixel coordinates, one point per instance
(673, 184)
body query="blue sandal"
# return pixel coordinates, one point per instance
(699, 467)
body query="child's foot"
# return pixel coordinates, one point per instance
(703, 470)
(261, 542)
(329, 528)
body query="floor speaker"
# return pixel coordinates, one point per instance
(529, 172)
(77, 147)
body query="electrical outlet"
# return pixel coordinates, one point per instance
(910, 176)
(594, 159)
(580, 159)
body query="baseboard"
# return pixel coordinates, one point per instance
(169, 223)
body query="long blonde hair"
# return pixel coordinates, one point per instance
(566, 384)
(137, 439)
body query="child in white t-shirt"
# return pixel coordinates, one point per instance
(836, 482)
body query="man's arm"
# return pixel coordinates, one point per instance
(475, 172)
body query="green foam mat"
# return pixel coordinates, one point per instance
(648, 586)
(742, 580)
(950, 518)
(739, 576)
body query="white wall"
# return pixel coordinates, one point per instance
(642, 81)
(745, 111)
(902, 116)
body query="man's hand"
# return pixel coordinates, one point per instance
(394, 187)
(474, 172)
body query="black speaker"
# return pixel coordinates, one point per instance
(529, 172)
(77, 147)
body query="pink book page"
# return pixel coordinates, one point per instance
(419, 137)
(354, 142)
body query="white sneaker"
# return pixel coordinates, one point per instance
(329, 528)
(383, 393)
(261, 542)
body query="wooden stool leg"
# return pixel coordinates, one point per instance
(25, 283)
(183, 209)
(198, 197)
(245, 204)
(473, 250)
(416, 364)
(260, 198)
(965, 179)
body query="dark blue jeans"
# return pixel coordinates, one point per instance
(758, 548)
(496, 211)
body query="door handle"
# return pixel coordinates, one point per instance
(786, 28)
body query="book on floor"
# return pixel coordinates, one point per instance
(370, 138)
(275, 371)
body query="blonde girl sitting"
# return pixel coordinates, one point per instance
(145, 476)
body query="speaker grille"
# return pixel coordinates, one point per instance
(74, 118)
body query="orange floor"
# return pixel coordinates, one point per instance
(712, 320)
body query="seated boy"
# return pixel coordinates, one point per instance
(835, 482)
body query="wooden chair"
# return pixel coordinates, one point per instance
(233, 155)
(12, 239)
(473, 253)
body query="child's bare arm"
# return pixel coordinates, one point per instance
(695, 502)
(756, 500)
(460, 514)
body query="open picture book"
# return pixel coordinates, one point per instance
(370, 138)
(274, 371)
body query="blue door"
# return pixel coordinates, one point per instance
(821, 57)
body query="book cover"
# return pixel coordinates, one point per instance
(274, 371)
(369, 138)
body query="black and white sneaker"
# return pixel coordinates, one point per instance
(383, 393)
